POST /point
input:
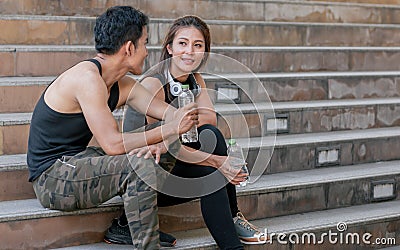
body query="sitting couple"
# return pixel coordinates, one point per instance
(67, 174)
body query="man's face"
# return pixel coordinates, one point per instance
(140, 53)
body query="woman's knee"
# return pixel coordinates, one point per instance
(185, 170)
(205, 170)
(211, 128)
(211, 139)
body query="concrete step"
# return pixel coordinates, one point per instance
(256, 119)
(331, 12)
(27, 225)
(14, 131)
(249, 10)
(14, 178)
(308, 86)
(378, 222)
(290, 153)
(257, 87)
(260, 119)
(391, 248)
(314, 150)
(73, 30)
(271, 196)
(22, 60)
(347, 147)
(20, 94)
(376, 2)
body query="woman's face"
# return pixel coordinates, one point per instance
(187, 50)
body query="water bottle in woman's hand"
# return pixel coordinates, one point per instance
(236, 159)
(184, 98)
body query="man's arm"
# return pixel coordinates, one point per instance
(190, 155)
(92, 97)
(134, 94)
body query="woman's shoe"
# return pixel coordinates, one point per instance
(247, 232)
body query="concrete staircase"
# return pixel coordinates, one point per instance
(331, 71)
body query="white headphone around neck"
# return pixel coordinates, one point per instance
(174, 87)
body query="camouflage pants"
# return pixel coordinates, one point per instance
(91, 177)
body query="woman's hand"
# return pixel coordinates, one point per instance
(156, 149)
(234, 174)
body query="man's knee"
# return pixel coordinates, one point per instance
(143, 171)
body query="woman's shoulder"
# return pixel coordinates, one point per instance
(153, 84)
(152, 80)
(199, 79)
(154, 77)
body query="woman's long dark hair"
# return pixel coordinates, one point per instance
(165, 58)
(185, 22)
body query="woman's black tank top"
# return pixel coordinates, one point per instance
(54, 134)
(169, 98)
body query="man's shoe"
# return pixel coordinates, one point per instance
(247, 232)
(120, 234)
(167, 240)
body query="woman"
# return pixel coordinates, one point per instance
(184, 51)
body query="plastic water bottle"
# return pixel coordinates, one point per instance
(184, 98)
(236, 159)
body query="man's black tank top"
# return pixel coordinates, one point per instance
(54, 134)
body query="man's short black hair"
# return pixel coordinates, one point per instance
(116, 26)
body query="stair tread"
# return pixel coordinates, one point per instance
(296, 179)
(12, 162)
(30, 208)
(310, 138)
(300, 105)
(45, 80)
(313, 3)
(217, 48)
(7, 119)
(318, 137)
(9, 162)
(272, 141)
(300, 223)
(208, 21)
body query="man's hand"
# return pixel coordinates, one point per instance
(156, 149)
(183, 118)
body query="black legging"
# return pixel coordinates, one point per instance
(210, 145)
(219, 207)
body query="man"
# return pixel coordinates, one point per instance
(77, 105)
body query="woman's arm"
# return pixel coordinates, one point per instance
(155, 87)
(207, 113)
(205, 107)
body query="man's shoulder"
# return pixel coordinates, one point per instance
(85, 71)
(83, 74)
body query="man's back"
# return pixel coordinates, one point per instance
(55, 134)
